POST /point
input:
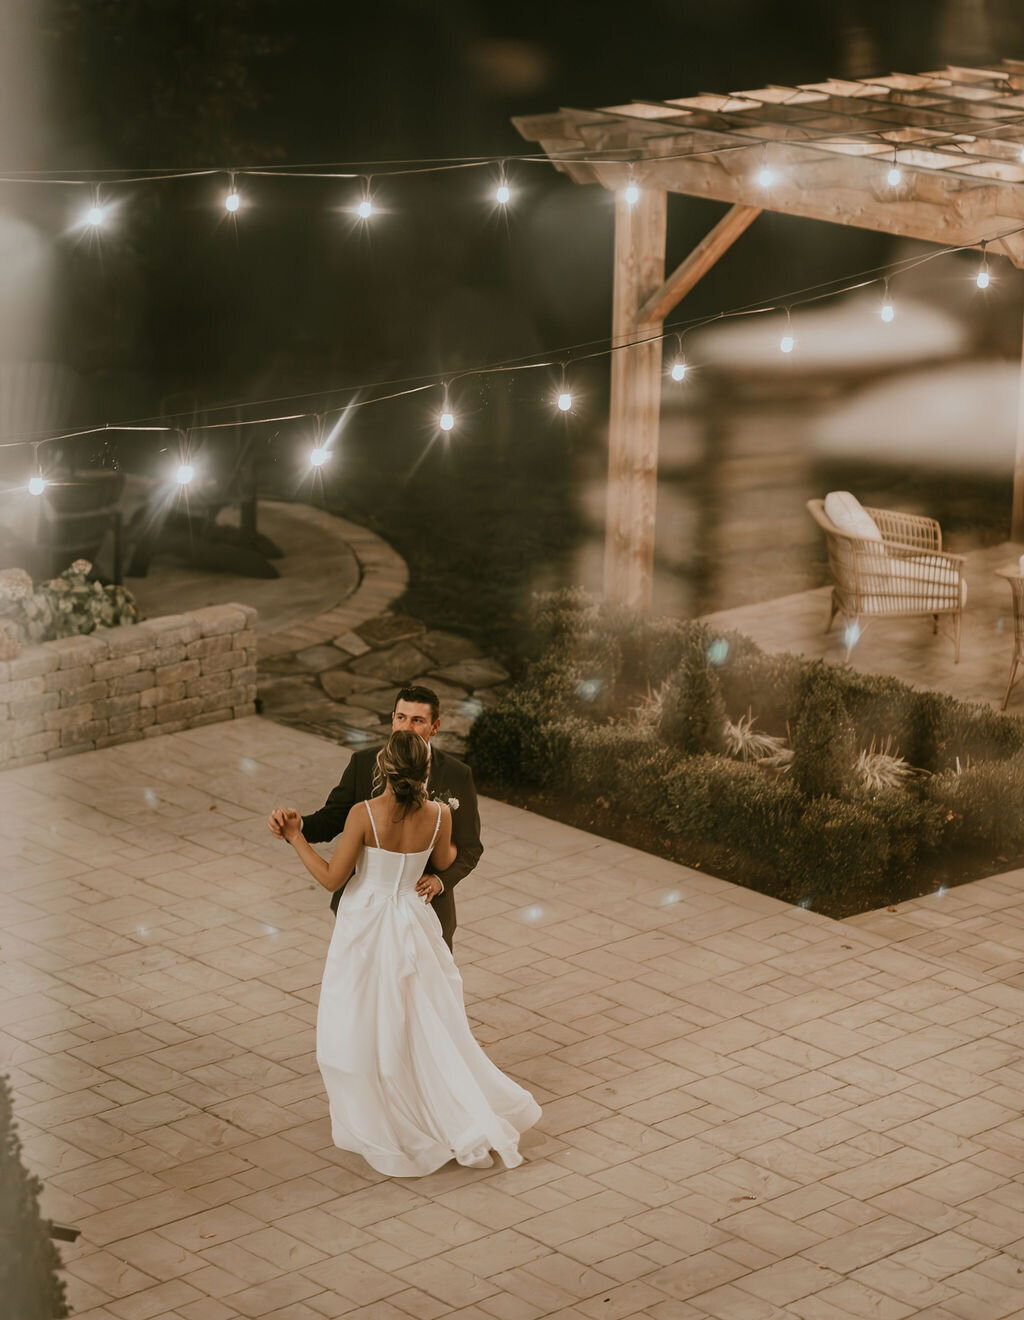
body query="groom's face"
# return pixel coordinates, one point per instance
(417, 717)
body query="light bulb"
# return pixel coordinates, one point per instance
(632, 194)
(765, 176)
(36, 485)
(94, 215)
(983, 278)
(895, 177)
(184, 474)
(319, 456)
(678, 370)
(502, 194)
(887, 311)
(232, 201)
(787, 343)
(365, 209)
(565, 401)
(446, 421)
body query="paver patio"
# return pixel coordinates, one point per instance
(750, 1111)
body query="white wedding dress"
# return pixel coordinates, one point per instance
(409, 1087)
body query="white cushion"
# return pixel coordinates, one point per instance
(849, 516)
(922, 582)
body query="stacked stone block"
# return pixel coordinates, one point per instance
(124, 684)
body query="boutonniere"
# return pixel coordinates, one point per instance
(442, 795)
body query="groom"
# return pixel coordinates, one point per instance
(448, 780)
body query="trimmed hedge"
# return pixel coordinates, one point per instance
(29, 1261)
(574, 724)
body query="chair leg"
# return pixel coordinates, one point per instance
(832, 615)
(1009, 686)
(935, 625)
(958, 620)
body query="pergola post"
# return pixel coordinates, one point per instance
(635, 401)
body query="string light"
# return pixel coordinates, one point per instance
(365, 208)
(319, 456)
(502, 194)
(983, 279)
(94, 215)
(632, 192)
(787, 343)
(232, 201)
(766, 176)
(446, 420)
(564, 399)
(36, 485)
(895, 175)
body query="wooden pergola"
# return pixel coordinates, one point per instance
(956, 137)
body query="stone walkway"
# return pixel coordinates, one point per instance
(751, 1112)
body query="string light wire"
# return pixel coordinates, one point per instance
(415, 385)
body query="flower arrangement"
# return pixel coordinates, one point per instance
(443, 795)
(66, 606)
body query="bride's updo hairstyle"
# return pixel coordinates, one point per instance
(402, 764)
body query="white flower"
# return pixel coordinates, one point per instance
(453, 803)
(80, 566)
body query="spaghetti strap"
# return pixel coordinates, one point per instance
(373, 824)
(437, 826)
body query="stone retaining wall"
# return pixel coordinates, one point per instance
(123, 684)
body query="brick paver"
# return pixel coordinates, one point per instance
(750, 1110)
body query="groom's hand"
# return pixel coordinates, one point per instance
(428, 887)
(279, 818)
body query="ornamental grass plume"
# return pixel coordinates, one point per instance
(882, 767)
(746, 743)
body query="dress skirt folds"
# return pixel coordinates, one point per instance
(409, 1087)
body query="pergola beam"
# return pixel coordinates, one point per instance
(957, 136)
(697, 264)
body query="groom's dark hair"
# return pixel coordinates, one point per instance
(423, 696)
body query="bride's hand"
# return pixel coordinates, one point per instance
(291, 824)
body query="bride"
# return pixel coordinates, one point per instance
(409, 1087)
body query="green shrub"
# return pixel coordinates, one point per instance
(828, 840)
(912, 822)
(618, 762)
(768, 685)
(693, 713)
(981, 805)
(947, 732)
(511, 743)
(29, 1261)
(824, 742)
(839, 850)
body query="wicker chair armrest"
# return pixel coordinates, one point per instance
(899, 550)
(908, 529)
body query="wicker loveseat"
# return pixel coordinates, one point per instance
(889, 565)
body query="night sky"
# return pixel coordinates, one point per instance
(185, 303)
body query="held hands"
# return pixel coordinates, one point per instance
(285, 823)
(428, 887)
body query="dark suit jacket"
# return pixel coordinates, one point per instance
(449, 777)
